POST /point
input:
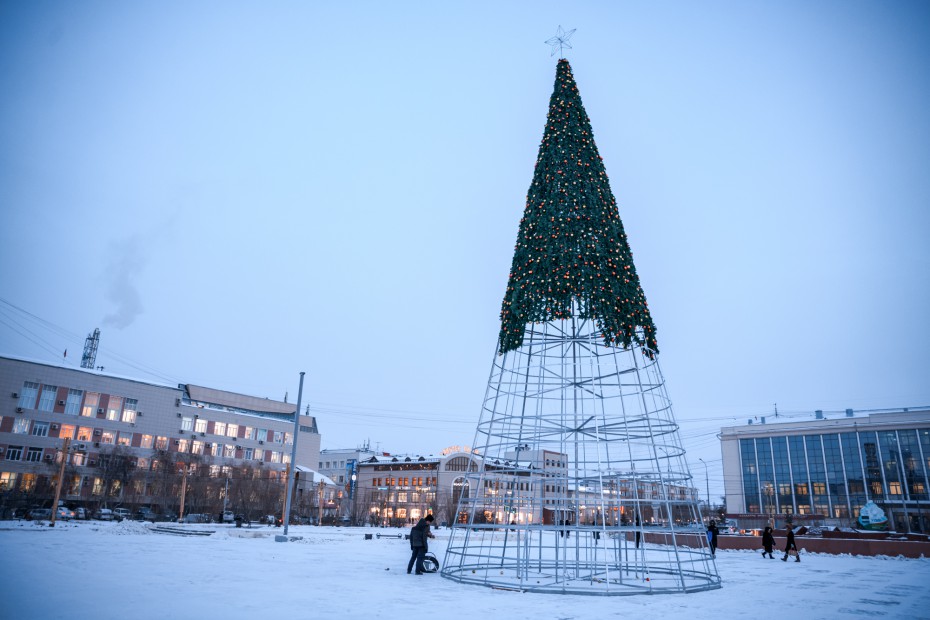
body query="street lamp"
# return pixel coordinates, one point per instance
(707, 482)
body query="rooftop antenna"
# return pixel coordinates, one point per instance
(90, 350)
(776, 410)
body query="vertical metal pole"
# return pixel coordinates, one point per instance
(61, 475)
(290, 480)
(707, 482)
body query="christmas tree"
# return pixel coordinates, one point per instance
(572, 257)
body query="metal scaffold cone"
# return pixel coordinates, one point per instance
(584, 487)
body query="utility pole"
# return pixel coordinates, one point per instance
(183, 492)
(61, 477)
(293, 464)
(707, 482)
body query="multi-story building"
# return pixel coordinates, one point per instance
(831, 466)
(341, 466)
(129, 440)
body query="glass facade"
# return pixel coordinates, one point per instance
(835, 474)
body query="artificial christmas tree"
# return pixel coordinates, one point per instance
(583, 486)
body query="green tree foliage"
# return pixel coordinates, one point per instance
(571, 246)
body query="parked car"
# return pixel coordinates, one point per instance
(122, 513)
(229, 516)
(105, 514)
(39, 513)
(64, 514)
(195, 517)
(146, 514)
(80, 513)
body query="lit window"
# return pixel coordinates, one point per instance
(219, 428)
(89, 409)
(21, 426)
(7, 481)
(187, 423)
(200, 426)
(197, 447)
(161, 443)
(84, 433)
(232, 430)
(124, 439)
(182, 445)
(115, 407)
(67, 430)
(894, 488)
(107, 437)
(147, 441)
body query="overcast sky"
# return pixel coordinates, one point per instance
(237, 192)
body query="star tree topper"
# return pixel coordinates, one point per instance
(560, 40)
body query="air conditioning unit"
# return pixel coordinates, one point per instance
(261, 443)
(177, 402)
(238, 447)
(181, 431)
(179, 414)
(96, 431)
(19, 410)
(61, 403)
(176, 442)
(80, 446)
(47, 457)
(96, 444)
(138, 413)
(54, 427)
(99, 409)
(15, 395)
(203, 434)
(196, 415)
(91, 463)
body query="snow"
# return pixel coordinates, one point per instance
(102, 570)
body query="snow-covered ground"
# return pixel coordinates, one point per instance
(97, 571)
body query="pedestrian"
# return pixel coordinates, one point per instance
(419, 534)
(768, 542)
(791, 546)
(638, 532)
(712, 532)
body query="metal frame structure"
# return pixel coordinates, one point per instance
(584, 487)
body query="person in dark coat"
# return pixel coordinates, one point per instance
(712, 539)
(789, 545)
(768, 542)
(419, 535)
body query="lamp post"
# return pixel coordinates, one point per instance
(707, 482)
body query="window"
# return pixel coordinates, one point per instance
(820, 488)
(161, 443)
(197, 447)
(124, 439)
(130, 407)
(40, 429)
(7, 481)
(894, 488)
(232, 430)
(73, 404)
(200, 426)
(288, 438)
(229, 451)
(21, 426)
(248, 454)
(219, 428)
(147, 441)
(275, 457)
(67, 430)
(14, 453)
(47, 401)
(28, 483)
(249, 432)
(27, 400)
(261, 434)
(115, 407)
(84, 433)
(142, 463)
(258, 455)
(216, 449)
(79, 459)
(97, 488)
(278, 437)
(107, 437)
(89, 409)
(187, 424)
(34, 455)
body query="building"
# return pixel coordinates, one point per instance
(130, 442)
(341, 466)
(830, 466)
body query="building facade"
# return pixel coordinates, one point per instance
(832, 467)
(130, 442)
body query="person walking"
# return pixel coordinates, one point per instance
(790, 546)
(419, 534)
(768, 542)
(712, 532)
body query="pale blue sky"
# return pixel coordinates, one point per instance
(235, 192)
